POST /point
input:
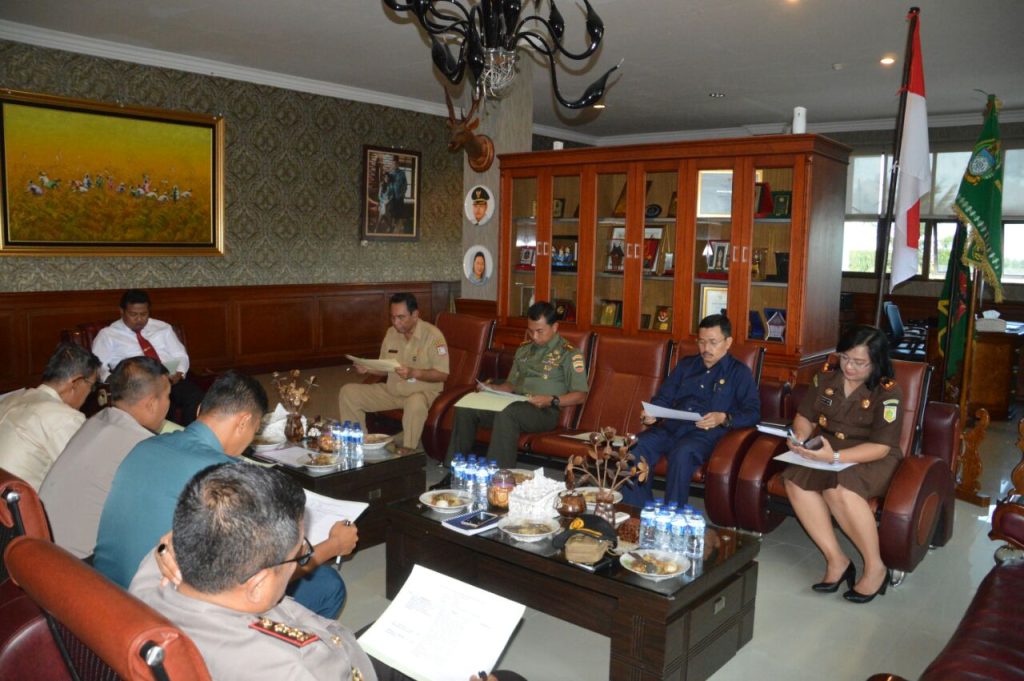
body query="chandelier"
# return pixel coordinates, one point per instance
(488, 36)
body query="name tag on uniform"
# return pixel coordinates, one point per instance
(394, 352)
(827, 401)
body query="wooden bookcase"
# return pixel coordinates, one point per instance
(646, 239)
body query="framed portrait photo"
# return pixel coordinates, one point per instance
(391, 194)
(714, 299)
(89, 178)
(478, 265)
(478, 206)
(557, 208)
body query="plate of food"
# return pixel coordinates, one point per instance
(445, 500)
(376, 440)
(590, 494)
(655, 565)
(521, 475)
(262, 443)
(528, 529)
(321, 461)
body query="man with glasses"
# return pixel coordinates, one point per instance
(548, 370)
(238, 537)
(36, 424)
(713, 384)
(140, 506)
(421, 351)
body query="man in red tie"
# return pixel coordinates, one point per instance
(134, 334)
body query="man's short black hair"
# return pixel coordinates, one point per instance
(409, 299)
(135, 378)
(134, 296)
(719, 320)
(69, 361)
(233, 520)
(234, 393)
(542, 310)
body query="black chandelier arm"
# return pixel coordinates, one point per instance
(592, 94)
(556, 45)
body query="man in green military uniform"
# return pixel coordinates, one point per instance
(548, 370)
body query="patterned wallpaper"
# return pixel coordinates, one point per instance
(293, 173)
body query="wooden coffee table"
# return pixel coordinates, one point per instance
(683, 629)
(381, 480)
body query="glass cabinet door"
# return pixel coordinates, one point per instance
(712, 252)
(658, 251)
(565, 244)
(523, 246)
(610, 250)
(769, 254)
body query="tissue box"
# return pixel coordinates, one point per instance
(990, 324)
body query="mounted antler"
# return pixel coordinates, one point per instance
(479, 148)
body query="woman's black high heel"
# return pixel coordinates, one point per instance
(849, 576)
(855, 596)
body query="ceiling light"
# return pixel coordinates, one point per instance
(599, 105)
(838, 66)
(716, 95)
(887, 61)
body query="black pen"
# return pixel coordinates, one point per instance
(482, 676)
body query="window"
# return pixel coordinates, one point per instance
(866, 196)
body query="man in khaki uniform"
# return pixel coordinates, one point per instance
(548, 370)
(421, 351)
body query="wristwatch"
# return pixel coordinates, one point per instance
(554, 400)
(728, 421)
(835, 457)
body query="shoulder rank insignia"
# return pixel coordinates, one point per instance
(567, 346)
(526, 342)
(887, 383)
(829, 392)
(288, 634)
(865, 404)
(357, 675)
(840, 436)
(828, 367)
(889, 409)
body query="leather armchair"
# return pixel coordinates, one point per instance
(103, 628)
(497, 366)
(916, 511)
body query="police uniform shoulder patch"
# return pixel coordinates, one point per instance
(280, 630)
(887, 383)
(889, 410)
(577, 363)
(442, 349)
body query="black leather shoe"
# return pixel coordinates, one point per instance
(855, 596)
(849, 576)
(443, 483)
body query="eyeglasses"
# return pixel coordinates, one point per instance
(709, 343)
(91, 382)
(301, 560)
(855, 363)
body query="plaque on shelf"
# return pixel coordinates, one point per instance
(776, 317)
(781, 267)
(756, 325)
(566, 310)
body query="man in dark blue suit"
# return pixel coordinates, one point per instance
(713, 384)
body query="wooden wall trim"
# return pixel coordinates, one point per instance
(251, 328)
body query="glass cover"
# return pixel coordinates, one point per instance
(609, 249)
(711, 252)
(768, 259)
(523, 249)
(565, 244)
(658, 251)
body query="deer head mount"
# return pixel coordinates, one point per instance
(479, 148)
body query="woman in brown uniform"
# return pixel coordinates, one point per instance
(857, 410)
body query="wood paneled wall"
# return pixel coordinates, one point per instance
(251, 328)
(924, 307)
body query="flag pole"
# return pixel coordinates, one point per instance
(970, 458)
(894, 172)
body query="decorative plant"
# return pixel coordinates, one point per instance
(293, 393)
(608, 467)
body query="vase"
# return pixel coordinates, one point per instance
(604, 506)
(293, 430)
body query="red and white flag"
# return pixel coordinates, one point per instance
(914, 172)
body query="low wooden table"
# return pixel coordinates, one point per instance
(682, 629)
(378, 482)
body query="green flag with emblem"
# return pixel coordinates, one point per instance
(953, 306)
(979, 202)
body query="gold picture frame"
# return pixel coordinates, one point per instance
(82, 177)
(713, 299)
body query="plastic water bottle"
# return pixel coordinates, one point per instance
(458, 470)
(679, 531)
(337, 437)
(695, 540)
(469, 477)
(357, 445)
(480, 488)
(346, 438)
(663, 530)
(647, 529)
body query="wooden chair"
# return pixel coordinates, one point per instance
(917, 509)
(468, 338)
(102, 631)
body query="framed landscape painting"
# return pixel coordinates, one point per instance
(391, 194)
(88, 178)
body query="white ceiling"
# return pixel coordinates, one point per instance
(767, 56)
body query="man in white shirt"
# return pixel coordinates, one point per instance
(36, 425)
(77, 486)
(134, 334)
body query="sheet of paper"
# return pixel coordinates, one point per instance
(793, 457)
(172, 366)
(322, 512)
(441, 629)
(292, 456)
(382, 365)
(488, 401)
(778, 431)
(664, 413)
(585, 437)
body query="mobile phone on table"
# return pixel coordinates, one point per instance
(479, 519)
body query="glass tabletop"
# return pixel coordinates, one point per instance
(721, 546)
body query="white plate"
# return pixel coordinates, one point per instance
(377, 445)
(427, 500)
(322, 469)
(628, 562)
(589, 493)
(266, 446)
(525, 473)
(505, 523)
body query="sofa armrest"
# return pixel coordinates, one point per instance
(434, 438)
(917, 512)
(756, 469)
(723, 468)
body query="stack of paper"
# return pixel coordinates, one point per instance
(322, 512)
(379, 365)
